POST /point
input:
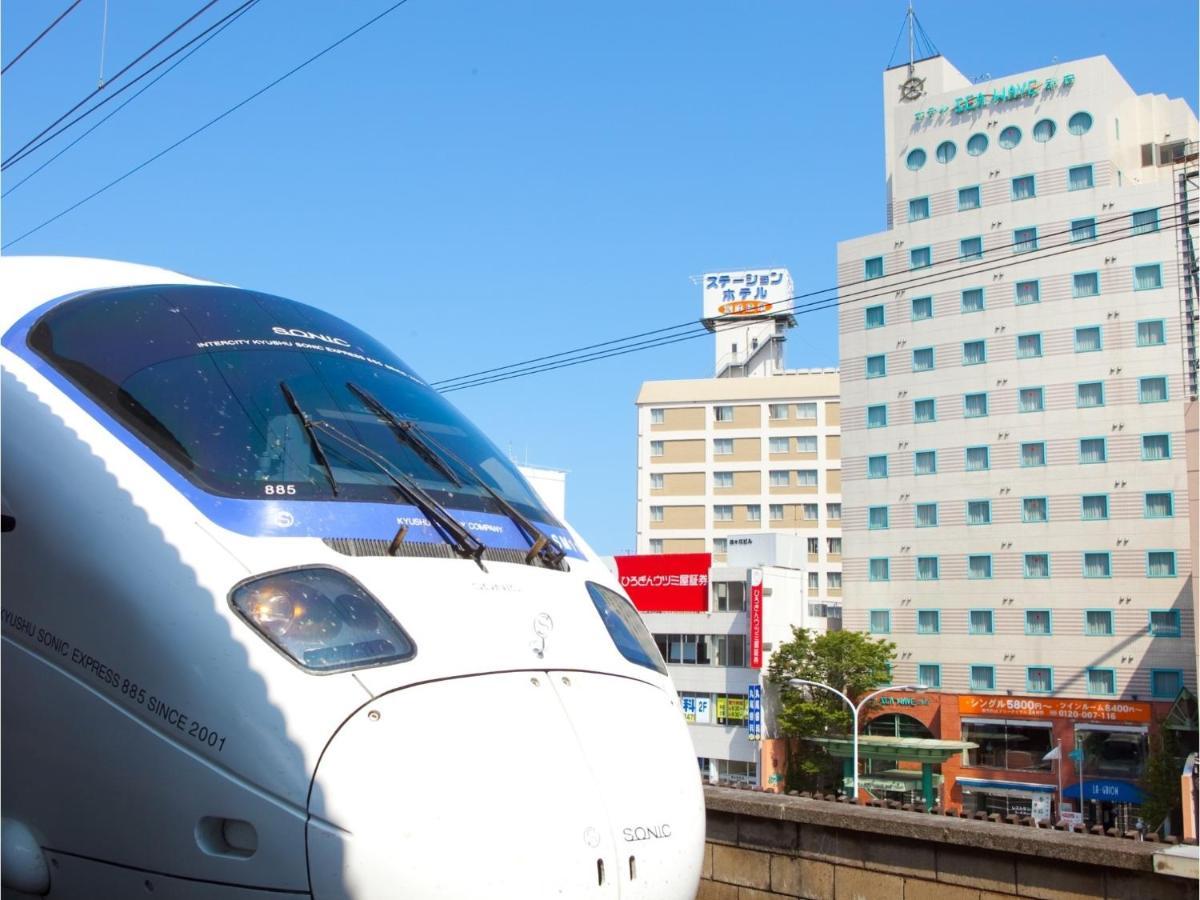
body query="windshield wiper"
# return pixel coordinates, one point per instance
(428, 448)
(464, 543)
(317, 449)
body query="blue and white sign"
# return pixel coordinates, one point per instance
(1106, 789)
(754, 713)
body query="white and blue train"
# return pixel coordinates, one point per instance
(278, 621)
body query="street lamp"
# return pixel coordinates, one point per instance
(796, 682)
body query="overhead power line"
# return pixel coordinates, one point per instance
(812, 307)
(45, 31)
(170, 34)
(213, 121)
(790, 304)
(203, 37)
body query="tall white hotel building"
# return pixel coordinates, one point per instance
(1018, 356)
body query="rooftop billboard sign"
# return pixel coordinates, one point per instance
(666, 582)
(747, 292)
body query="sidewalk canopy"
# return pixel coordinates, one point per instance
(873, 746)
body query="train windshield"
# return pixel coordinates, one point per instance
(218, 382)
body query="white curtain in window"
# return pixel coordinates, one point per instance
(977, 458)
(1022, 188)
(1098, 621)
(877, 466)
(926, 515)
(835, 545)
(979, 567)
(1145, 221)
(1037, 565)
(811, 511)
(922, 359)
(929, 676)
(981, 621)
(983, 678)
(925, 463)
(879, 570)
(922, 308)
(979, 512)
(1091, 450)
(809, 410)
(1149, 334)
(806, 477)
(1147, 277)
(775, 510)
(874, 317)
(1156, 446)
(780, 478)
(879, 620)
(927, 621)
(1034, 509)
(1085, 284)
(1152, 390)
(923, 411)
(1096, 565)
(972, 300)
(1090, 394)
(1029, 345)
(878, 517)
(1094, 507)
(1027, 292)
(1043, 130)
(778, 445)
(1083, 230)
(1163, 621)
(876, 416)
(1039, 679)
(927, 568)
(1087, 340)
(1158, 505)
(968, 198)
(1031, 399)
(918, 209)
(806, 444)
(920, 258)
(1100, 681)
(833, 579)
(1160, 564)
(971, 248)
(975, 405)
(1025, 240)
(974, 353)
(1079, 177)
(1033, 454)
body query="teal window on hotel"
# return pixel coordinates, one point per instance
(971, 248)
(1160, 564)
(980, 621)
(975, 406)
(974, 353)
(983, 678)
(922, 308)
(1031, 399)
(1083, 230)
(1033, 454)
(1102, 682)
(915, 159)
(977, 145)
(1089, 394)
(1037, 565)
(1160, 505)
(927, 568)
(873, 267)
(979, 512)
(1093, 507)
(1097, 564)
(929, 621)
(1035, 510)
(1024, 240)
(946, 151)
(1147, 278)
(877, 517)
(929, 675)
(1029, 346)
(1165, 684)
(1044, 130)
(979, 566)
(873, 317)
(1098, 622)
(1039, 679)
(1088, 339)
(924, 411)
(968, 197)
(1144, 221)
(1164, 623)
(1080, 178)
(1152, 389)
(1151, 333)
(877, 416)
(1092, 450)
(925, 462)
(1156, 447)
(877, 467)
(1080, 123)
(1027, 292)
(972, 300)
(922, 359)
(876, 366)
(1085, 284)
(880, 621)
(1023, 188)
(878, 569)
(925, 515)
(920, 257)
(1010, 137)
(976, 459)
(918, 209)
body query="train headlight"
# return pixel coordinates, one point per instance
(626, 629)
(322, 620)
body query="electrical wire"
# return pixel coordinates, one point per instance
(217, 26)
(782, 305)
(206, 125)
(170, 34)
(815, 306)
(62, 15)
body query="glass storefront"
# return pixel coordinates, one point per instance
(1009, 744)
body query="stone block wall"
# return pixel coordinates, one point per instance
(765, 846)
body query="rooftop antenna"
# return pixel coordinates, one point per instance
(912, 40)
(919, 45)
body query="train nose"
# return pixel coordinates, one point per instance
(522, 785)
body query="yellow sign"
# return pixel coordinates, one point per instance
(731, 707)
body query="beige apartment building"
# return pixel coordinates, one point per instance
(721, 456)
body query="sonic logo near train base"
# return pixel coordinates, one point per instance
(278, 618)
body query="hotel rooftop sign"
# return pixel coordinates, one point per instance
(998, 97)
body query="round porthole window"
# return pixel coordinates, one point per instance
(977, 144)
(1044, 130)
(916, 159)
(946, 151)
(1080, 123)
(1010, 137)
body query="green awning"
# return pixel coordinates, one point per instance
(873, 746)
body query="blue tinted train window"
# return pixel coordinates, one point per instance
(196, 373)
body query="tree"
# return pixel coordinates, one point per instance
(1161, 792)
(847, 660)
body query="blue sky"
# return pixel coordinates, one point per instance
(479, 183)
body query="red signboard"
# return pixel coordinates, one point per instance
(756, 618)
(666, 582)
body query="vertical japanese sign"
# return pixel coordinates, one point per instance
(754, 714)
(756, 618)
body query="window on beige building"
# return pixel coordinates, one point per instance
(723, 413)
(656, 448)
(777, 411)
(722, 513)
(656, 417)
(833, 511)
